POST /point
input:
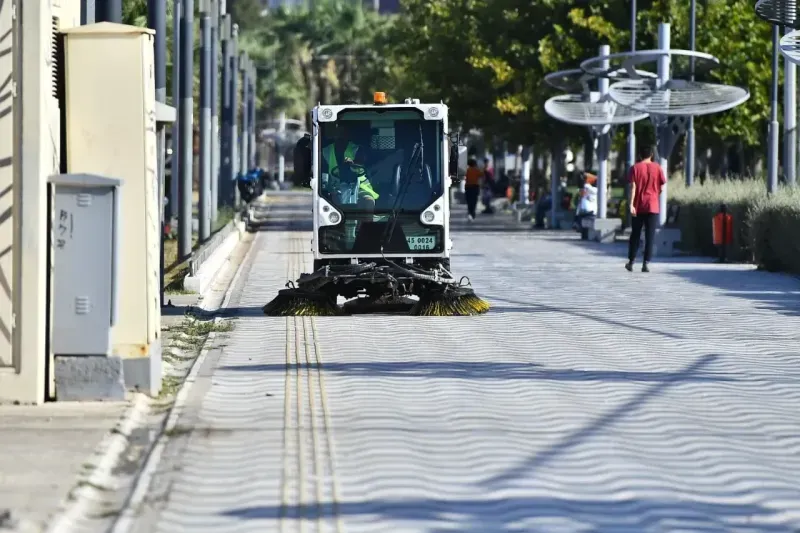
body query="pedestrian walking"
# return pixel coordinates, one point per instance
(472, 187)
(647, 181)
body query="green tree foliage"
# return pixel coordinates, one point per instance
(488, 58)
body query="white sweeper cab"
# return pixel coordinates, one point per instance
(380, 176)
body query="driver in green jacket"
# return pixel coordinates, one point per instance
(345, 159)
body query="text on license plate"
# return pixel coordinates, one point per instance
(421, 243)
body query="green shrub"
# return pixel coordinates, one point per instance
(766, 227)
(775, 231)
(698, 205)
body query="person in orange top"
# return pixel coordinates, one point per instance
(472, 187)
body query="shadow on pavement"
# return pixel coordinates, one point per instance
(483, 370)
(501, 515)
(527, 307)
(505, 515)
(775, 292)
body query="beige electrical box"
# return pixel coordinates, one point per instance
(111, 131)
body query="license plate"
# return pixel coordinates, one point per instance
(421, 243)
(586, 223)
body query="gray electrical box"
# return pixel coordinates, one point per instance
(85, 244)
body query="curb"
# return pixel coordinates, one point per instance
(213, 257)
(141, 484)
(107, 454)
(105, 457)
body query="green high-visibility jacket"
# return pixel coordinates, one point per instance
(329, 153)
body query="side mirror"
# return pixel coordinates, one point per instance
(302, 160)
(453, 161)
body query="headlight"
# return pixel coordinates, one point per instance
(334, 217)
(428, 216)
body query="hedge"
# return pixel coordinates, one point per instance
(766, 227)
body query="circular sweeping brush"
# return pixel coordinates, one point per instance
(299, 302)
(453, 300)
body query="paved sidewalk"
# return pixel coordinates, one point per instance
(589, 399)
(44, 449)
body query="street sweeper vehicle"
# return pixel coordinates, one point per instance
(380, 176)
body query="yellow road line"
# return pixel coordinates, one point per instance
(314, 439)
(323, 394)
(287, 410)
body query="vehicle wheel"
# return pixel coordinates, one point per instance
(318, 263)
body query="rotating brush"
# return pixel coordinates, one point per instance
(294, 301)
(453, 300)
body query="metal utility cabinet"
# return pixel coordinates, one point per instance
(110, 129)
(84, 239)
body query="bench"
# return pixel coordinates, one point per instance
(604, 230)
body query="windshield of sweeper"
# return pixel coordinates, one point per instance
(365, 158)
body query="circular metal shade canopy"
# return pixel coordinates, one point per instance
(575, 80)
(568, 80)
(577, 109)
(779, 12)
(625, 65)
(677, 97)
(790, 46)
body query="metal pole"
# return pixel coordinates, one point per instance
(790, 120)
(157, 20)
(204, 207)
(243, 146)
(555, 159)
(216, 10)
(631, 127)
(663, 78)
(602, 144)
(772, 165)
(226, 160)
(525, 178)
(175, 160)
(690, 146)
(108, 11)
(234, 90)
(186, 134)
(88, 11)
(281, 157)
(253, 80)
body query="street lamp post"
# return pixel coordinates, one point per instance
(204, 215)
(185, 107)
(218, 8)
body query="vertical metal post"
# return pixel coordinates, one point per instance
(186, 134)
(790, 120)
(175, 160)
(602, 144)
(157, 21)
(204, 207)
(216, 11)
(252, 121)
(281, 157)
(88, 12)
(772, 159)
(525, 178)
(663, 78)
(555, 163)
(245, 137)
(226, 161)
(690, 146)
(234, 118)
(631, 127)
(108, 11)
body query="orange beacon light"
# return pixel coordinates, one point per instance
(380, 98)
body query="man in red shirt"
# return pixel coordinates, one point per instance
(647, 180)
